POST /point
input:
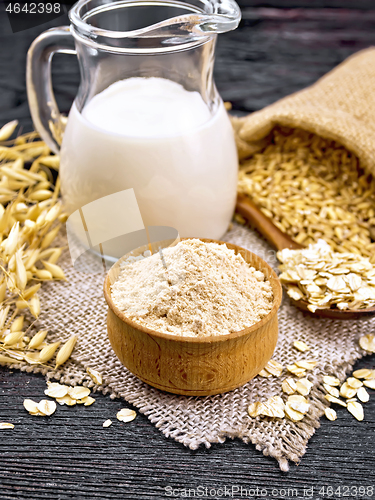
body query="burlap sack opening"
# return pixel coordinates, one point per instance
(340, 106)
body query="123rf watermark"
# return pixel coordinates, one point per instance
(238, 492)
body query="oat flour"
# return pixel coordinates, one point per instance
(200, 289)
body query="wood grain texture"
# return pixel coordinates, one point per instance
(194, 366)
(69, 455)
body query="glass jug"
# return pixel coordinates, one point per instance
(147, 115)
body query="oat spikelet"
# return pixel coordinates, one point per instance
(55, 270)
(7, 130)
(6, 360)
(34, 306)
(13, 338)
(48, 239)
(17, 324)
(48, 352)
(27, 294)
(51, 161)
(53, 213)
(65, 351)
(43, 274)
(38, 339)
(3, 289)
(3, 316)
(10, 244)
(55, 255)
(40, 195)
(20, 272)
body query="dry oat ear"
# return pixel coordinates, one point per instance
(29, 222)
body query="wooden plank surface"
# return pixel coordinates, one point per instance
(275, 51)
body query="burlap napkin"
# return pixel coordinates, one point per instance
(339, 106)
(78, 307)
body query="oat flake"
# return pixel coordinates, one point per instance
(126, 415)
(330, 414)
(6, 425)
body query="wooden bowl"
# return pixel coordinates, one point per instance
(189, 365)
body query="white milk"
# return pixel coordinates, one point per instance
(152, 135)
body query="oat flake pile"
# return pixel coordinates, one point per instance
(341, 107)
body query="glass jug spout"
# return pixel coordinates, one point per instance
(118, 39)
(207, 18)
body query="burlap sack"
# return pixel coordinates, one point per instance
(340, 106)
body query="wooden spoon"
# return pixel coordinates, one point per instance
(279, 241)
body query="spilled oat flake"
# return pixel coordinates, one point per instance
(203, 289)
(327, 279)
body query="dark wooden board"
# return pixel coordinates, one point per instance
(275, 52)
(70, 455)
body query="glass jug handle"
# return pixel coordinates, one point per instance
(43, 107)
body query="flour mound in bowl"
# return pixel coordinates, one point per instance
(193, 289)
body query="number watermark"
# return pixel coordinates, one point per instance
(34, 8)
(23, 15)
